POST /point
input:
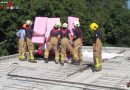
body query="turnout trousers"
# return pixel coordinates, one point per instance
(97, 56)
(30, 47)
(52, 45)
(77, 50)
(65, 44)
(22, 49)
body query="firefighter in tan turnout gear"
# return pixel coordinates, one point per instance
(77, 44)
(97, 47)
(29, 44)
(21, 42)
(64, 35)
(52, 43)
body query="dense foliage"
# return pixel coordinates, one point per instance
(113, 16)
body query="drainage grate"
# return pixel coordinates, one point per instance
(111, 80)
(60, 73)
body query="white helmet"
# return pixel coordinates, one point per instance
(29, 22)
(76, 24)
(65, 25)
(58, 24)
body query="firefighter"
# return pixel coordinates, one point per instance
(29, 44)
(65, 37)
(52, 43)
(22, 44)
(77, 44)
(97, 47)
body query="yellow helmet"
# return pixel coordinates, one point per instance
(65, 25)
(58, 24)
(94, 26)
(29, 22)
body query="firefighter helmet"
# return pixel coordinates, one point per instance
(58, 24)
(29, 22)
(65, 25)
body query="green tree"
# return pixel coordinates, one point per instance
(113, 17)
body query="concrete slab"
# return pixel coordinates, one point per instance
(114, 75)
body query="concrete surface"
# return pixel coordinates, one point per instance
(23, 75)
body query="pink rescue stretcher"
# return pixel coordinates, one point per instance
(42, 28)
(71, 21)
(39, 33)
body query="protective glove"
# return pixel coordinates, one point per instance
(71, 42)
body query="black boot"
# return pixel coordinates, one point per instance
(128, 84)
(73, 61)
(46, 60)
(56, 61)
(78, 62)
(62, 64)
(33, 61)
